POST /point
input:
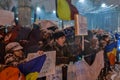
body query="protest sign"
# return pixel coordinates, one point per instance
(80, 25)
(6, 17)
(48, 67)
(57, 75)
(81, 70)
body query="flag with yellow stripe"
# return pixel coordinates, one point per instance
(111, 50)
(65, 10)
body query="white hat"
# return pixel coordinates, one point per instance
(13, 46)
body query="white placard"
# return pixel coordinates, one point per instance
(81, 70)
(6, 17)
(57, 75)
(80, 25)
(49, 64)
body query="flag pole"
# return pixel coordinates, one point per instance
(82, 42)
(77, 30)
(62, 24)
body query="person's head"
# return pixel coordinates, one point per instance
(106, 38)
(94, 43)
(102, 44)
(59, 37)
(15, 48)
(52, 28)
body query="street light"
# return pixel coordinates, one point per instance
(81, 1)
(54, 11)
(103, 5)
(38, 9)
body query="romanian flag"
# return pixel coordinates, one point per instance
(111, 50)
(65, 10)
(32, 67)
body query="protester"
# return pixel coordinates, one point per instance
(14, 54)
(61, 47)
(63, 54)
(105, 40)
(13, 57)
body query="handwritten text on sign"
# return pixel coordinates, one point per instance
(49, 65)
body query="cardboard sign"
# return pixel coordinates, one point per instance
(81, 70)
(57, 75)
(80, 25)
(48, 67)
(6, 17)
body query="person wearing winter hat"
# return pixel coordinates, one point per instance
(59, 34)
(63, 54)
(61, 48)
(14, 54)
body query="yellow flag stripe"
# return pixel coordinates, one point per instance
(63, 10)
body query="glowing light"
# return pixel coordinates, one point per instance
(103, 5)
(119, 47)
(60, 21)
(54, 11)
(38, 9)
(32, 18)
(81, 1)
(118, 44)
(16, 18)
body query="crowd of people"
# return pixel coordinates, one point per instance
(16, 42)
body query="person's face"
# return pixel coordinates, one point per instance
(61, 40)
(104, 43)
(107, 39)
(18, 53)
